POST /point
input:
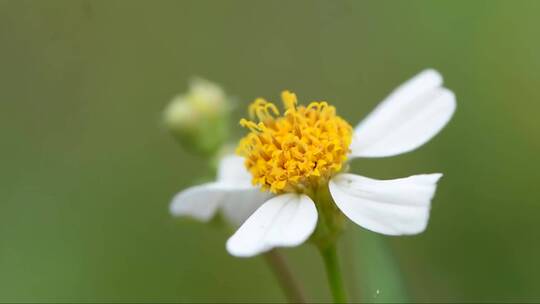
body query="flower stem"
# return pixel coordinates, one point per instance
(281, 270)
(331, 262)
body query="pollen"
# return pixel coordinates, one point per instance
(297, 151)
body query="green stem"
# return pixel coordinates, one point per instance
(331, 262)
(290, 286)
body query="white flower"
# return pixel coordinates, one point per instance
(303, 152)
(232, 193)
(409, 117)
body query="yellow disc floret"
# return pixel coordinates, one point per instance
(296, 151)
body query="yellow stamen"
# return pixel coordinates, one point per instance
(289, 100)
(297, 151)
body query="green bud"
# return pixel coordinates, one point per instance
(199, 119)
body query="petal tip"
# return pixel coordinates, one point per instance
(434, 177)
(199, 202)
(176, 207)
(236, 250)
(431, 73)
(173, 208)
(438, 175)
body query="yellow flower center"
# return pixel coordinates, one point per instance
(296, 151)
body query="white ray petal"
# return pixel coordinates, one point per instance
(393, 207)
(232, 192)
(239, 205)
(409, 117)
(283, 221)
(243, 198)
(199, 202)
(232, 172)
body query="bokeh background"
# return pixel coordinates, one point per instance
(87, 170)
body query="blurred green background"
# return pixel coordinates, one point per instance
(87, 171)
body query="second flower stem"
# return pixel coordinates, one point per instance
(290, 286)
(331, 262)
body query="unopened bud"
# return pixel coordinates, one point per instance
(199, 118)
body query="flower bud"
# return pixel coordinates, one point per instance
(198, 119)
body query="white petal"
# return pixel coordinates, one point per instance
(409, 117)
(200, 202)
(285, 220)
(233, 192)
(393, 207)
(232, 172)
(237, 206)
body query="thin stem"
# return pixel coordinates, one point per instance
(281, 270)
(331, 262)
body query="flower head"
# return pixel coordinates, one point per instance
(300, 157)
(295, 152)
